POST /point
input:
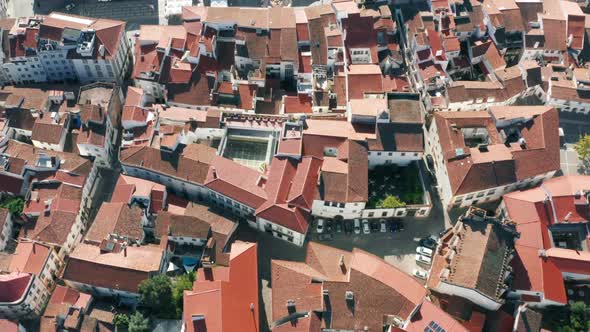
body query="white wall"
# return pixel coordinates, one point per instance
(393, 157)
(469, 294)
(332, 209)
(6, 231)
(281, 232)
(193, 190)
(91, 150)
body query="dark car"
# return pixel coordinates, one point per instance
(329, 226)
(392, 225)
(428, 243)
(338, 226)
(326, 237)
(348, 227)
(401, 225)
(374, 226)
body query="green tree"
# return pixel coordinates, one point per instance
(182, 283)
(579, 317)
(121, 321)
(138, 323)
(390, 202)
(155, 297)
(583, 147)
(14, 204)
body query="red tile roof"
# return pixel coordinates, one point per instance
(510, 163)
(236, 181)
(125, 269)
(374, 283)
(528, 210)
(116, 218)
(229, 303)
(13, 286)
(297, 104)
(29, 257)
(428, 313)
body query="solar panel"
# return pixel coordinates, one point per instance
(434, 327)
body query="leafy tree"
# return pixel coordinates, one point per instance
(390, 202)
(182, 283)
(574, 318)
(139, 323)
(15, 205)
(121, 321)
(583, 147)
(156, 297)
(579, 318)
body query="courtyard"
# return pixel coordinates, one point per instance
(248, 153)
(388, 181)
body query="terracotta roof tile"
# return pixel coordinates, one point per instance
(181, 226)
(88, 265)
(116, 218)
(226, 303)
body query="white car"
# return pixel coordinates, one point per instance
(420, 274)
(424, 251)
(357, 226)
(320, 228)
(423, 259)
(70, 6)
(366, 229)
(383, 228)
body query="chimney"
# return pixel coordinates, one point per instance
(342, 264)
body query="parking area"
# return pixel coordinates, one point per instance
(574, 126)
(397, 248)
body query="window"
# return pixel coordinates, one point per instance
(378, 153)
(469, 197)
(403, 154)
(491, 192)
(480, 194)
(384, 214)
(371, 214)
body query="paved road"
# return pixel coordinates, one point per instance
(573, 125)
(397, 249)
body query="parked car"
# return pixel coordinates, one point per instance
(357, 226)
(383, 226)
(326, 237)
(401, 226)
(423, 259)
(348, 227)
(320, 228)
(420, 274)
(424, 251)
(329, 224)
(338, 226)
(428, 243)
(70, 6)
(392, 226)
(374, 226)
(366, 229)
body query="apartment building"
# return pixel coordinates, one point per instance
(62, 48)
(481, 155)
